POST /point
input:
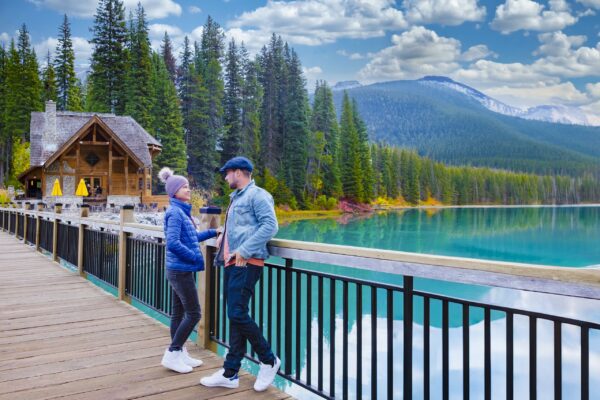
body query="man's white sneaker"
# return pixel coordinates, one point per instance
(266, 375)
(192, 362)
(173, 360)
(219, 380)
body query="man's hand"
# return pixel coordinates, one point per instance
(239, 260)
(219, 236)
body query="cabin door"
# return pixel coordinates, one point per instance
(95, 186)
(34, 188)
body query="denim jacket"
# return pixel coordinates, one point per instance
(250, 223)
(183, 253)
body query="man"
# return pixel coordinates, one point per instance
(250, 223)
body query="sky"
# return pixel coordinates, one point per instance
(522, 52)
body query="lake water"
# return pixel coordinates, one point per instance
(560, 236)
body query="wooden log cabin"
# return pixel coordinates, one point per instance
(111, 152)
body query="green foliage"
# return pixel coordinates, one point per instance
(65, 70)
(106, 92)
(167, 122)
(139, 99)
(49, 82)
(20, 158)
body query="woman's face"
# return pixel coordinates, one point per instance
(184, 193)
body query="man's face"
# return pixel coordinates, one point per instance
(232, 178)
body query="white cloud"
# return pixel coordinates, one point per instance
(571, 63)
(564, 93)
(158, 31)
(590, 3)
(81, 47)
(194, 9)
(443, 12)
(87, 8)
(413, 54)
(310, 72)
(5, 39)
(477, 52)
(253, 40)
(557, 44)
(515, 15)
(315, 22)
(489, 73)
(593, 89)
(352, 56)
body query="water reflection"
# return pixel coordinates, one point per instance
(556, 236)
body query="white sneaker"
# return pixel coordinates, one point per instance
(173, 360)
(192, 362)
(266, 375)
(219, 380)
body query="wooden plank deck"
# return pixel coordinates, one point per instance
(62, 337)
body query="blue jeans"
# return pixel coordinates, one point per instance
(185, 308)
(239, 289)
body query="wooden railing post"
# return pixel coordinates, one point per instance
(40, 208)
(126, 217)
(84, 212)
(210, 218)
(57, 211)
(25, 227)
(17, 207)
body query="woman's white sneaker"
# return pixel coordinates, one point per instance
(173, 360)
(192, 362)
(266, 375)
(219, 380)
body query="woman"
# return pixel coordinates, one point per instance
(183, 260)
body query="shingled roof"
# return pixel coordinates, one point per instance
(68, 123)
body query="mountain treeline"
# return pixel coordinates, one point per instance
(217, 101)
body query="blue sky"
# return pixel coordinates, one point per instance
(523, 52)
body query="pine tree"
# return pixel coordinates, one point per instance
(166, 51)
(251, 103)
(232, 139)
(296, 130)
(201, 152)
(3, 95)
(324, 119)
(49, 81)
(350, 156)
(208, 59)
(109, 59)
(139, 99)
(184, 86)
(168, 122)
(65, 66)
(365, 155)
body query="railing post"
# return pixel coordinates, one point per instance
(84, 212)
(126, 217)
(408, 335)
(57, 211)
(210, 219)
(17, 207)
(27, 208)
(40, 208)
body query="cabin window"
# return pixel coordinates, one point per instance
(92, 159)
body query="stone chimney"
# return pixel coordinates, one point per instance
(50, 137)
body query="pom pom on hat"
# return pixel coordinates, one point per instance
(165, 174)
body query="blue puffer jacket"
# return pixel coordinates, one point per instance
(183, 253)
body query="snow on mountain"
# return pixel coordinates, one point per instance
(549, 113)
(346, 85)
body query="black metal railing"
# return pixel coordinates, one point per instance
(20, 226)
(31, 229)
(4, 220)
(335, 361)
(67, 242)
(145, 279)
(46, 234)
(12, 216)
(101, 255)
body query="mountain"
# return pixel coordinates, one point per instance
(345, 85)
(548, 113)
(454, 123)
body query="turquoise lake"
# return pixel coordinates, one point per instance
(561, 236)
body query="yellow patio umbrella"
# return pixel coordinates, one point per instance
(81, 189)
(56, 189)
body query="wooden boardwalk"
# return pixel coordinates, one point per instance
(62, 337)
